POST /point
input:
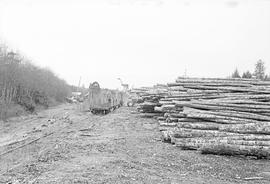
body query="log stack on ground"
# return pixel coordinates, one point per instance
(149, 99)
(219, 116)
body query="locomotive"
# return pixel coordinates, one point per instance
(103, 101)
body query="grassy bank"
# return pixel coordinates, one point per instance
(24, 87)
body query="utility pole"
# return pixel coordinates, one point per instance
(79, 84)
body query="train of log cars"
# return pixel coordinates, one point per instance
(103, 101)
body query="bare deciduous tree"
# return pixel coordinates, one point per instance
(26, 84)
(247, 75)
(259, 70)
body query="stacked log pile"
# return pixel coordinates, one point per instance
(150, 98)
(219, 116)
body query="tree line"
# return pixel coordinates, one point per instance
(23, 83)
(259, 72)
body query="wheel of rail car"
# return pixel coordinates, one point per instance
(93, 111)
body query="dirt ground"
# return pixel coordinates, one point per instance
(121, 147)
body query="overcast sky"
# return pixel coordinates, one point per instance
(144, 42)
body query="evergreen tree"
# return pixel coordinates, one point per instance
(236, 74)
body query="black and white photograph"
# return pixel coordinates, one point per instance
(134, 91)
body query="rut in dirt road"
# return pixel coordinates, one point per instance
(120, 147)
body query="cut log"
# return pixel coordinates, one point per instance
(177, 115)
(249, 137)
(192, 143)
(215, 103)
(219, 79)
(245, 142)
(189, 133)
(200, 126)
(220, 108)
(170, 119)
(166, 102)
(220, 119)
(213, 85)
(244, 115)
(228, 89)
(198, 142)
(164, 124)
(223, 80)
(238, 101)
(190, 120)
(161, 118)
(252, 128)
(151, 114)
(231, 149)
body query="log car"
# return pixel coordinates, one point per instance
(103, 101)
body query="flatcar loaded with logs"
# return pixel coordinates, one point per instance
(103, 101)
